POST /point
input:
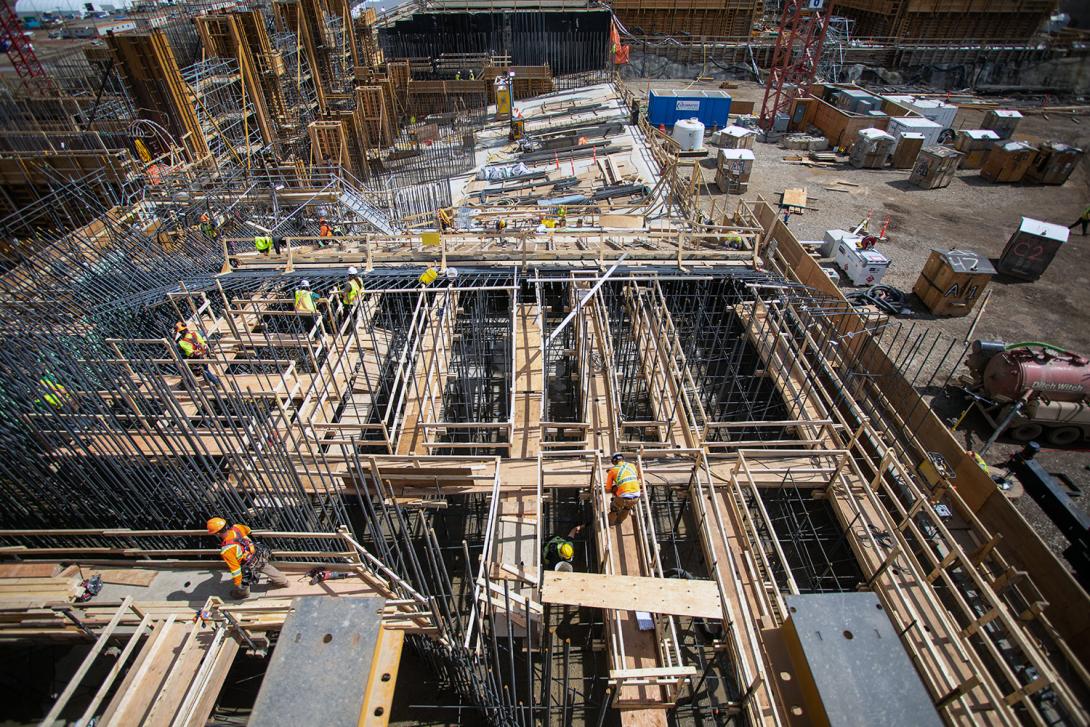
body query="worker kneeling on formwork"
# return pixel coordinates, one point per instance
(623, 482)
(244, 557)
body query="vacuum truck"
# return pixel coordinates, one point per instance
(1031, 390)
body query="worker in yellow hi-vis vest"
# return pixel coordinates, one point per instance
(623, 482)
(304, 298)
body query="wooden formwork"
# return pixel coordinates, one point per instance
(225, 36)
(983, 539)
(146, 62)
(328, 143)
(946, 19)
(722, 18)
(374, 117)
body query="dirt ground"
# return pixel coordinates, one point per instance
(971, 213)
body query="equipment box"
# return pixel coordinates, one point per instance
(1031, 249)
(862, 267)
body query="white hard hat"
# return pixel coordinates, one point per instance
(451, 273)
(353, 271)
(304, 284)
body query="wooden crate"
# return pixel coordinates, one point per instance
(1030, 250)
(908, 148)
(1008, 162)
(1053, 163)
(975, 145)
(935, 167)
(952, 281)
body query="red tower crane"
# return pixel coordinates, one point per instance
(12, 41)
(796, 57)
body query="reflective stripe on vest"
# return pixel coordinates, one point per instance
(355, 287)
(262, 243)
(193, 345)
(245, 545)
(304, 301)
(627, 481)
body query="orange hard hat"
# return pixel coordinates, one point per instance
(179, 327)
(216, 524)
(204, 218)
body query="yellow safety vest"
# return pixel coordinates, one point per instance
(193, 345)
(56, 395)
(304, 301)
(262, 244)
(626, 481)
(355, 288)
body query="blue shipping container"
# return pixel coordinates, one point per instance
(669, 107)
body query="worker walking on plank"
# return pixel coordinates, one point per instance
(623, 482)
(559, 551)
(244, 557)
(354, 291)
(1084, 220)
(193, 345)
(304, 298)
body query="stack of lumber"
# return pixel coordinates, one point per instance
(32, 584)
(26, 591)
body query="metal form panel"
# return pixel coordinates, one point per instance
(319, 670)
(859, 668)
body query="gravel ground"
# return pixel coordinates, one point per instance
(970, 213)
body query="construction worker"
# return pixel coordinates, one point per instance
(428, 276)
(1083, 220)
(559, 551)
(446, 218)
(623, 482)
(354, 290)
(263, 244)
(192, 344)
(562, 216)
(324, 228)
(54, 395)
(458, 76)
(207, 228)
(244, 557)
(304, 298)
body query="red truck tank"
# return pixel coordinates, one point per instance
(1051, 374)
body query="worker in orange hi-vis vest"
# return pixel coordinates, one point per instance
(623, 482)
(244, 557)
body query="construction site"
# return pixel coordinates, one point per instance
(655, 363)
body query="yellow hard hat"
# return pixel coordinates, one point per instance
(566, 551)
(216, 524)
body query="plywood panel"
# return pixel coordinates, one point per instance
(633, 593)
